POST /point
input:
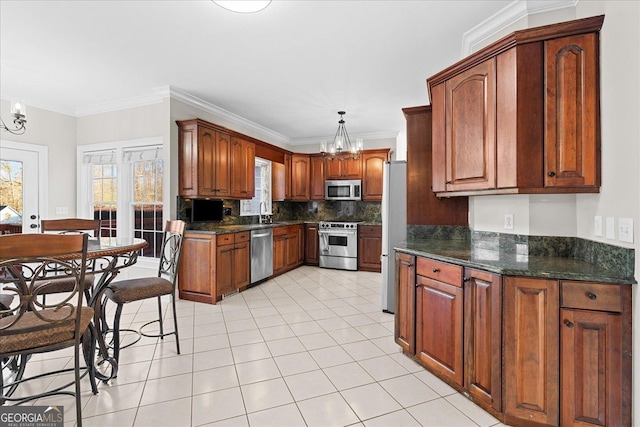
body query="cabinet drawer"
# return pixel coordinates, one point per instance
(370, 230)
(441, 271)
(242, 237)
(592, 296)
(225, 239)
(280, 231)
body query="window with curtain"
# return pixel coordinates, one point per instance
(124, 188)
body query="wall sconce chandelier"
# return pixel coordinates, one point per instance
(341, 148)
(18, 111)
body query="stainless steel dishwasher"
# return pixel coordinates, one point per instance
(261, 254)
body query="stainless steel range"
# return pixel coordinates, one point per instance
(338, 245)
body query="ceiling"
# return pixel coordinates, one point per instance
(288, 68)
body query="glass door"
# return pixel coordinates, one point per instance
(19, 191)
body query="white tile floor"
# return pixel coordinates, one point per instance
(308, 348)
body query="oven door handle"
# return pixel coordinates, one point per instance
(324, 242)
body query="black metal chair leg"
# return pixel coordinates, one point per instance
(175, 323)
(116, 332)
(160, 319)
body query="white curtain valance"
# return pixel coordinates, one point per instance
(99, 157)
(135, 154)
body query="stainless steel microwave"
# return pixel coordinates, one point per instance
(347, 189)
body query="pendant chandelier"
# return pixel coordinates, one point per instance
(341, 148)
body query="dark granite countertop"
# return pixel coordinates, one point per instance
(236, 228)
(467, 253)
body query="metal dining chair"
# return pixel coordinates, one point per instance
(71, 226)
(126, 291)
(28, 325)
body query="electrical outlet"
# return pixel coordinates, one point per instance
(625, 230)
(508, 221)
(597, 225)
(610, 231)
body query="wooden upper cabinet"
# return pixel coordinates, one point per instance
(287, 176)
(521, 115)
(571, 109)
(372, 165)
(278, 178)
(213, 163)
(317, 177)
(300, 174)
(243, 160)
(343, 169)
(470, 129)
(204, 160)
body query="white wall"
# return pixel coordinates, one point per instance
(58, 132)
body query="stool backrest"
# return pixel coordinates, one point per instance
(71, 225)
(171, 249)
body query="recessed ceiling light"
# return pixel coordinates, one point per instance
(243, 6)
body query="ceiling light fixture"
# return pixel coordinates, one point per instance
(18, 111)
(243, 6)
(341, 148)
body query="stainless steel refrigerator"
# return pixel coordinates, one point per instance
(394, 225)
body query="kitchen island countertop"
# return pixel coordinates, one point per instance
(468, 254)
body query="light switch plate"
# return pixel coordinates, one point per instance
(62, 210)
(597, 225)
(610, 228)
(625, 230)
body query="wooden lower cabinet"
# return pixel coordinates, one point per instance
(312, 249)
(405, 310)
(196, 274)
(483, 337)
(595, 337)
(531, 356)
(531, 351)
(439, 328)
(369, 247)
(213, 265)
(288, 248)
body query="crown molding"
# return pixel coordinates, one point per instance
(509, 15)
(194, 101)
(366, 136)
(118, 104)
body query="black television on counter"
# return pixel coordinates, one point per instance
(205, 210)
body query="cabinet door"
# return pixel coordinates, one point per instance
(351, 169)
(369, 248)
(439, 327)
(317, 178)
(311, 254)
(405, 311)
(243, 170)
(287, 176)
(241, 265)
(483, 337)
(591, 348)
(278, 181)
(292, 248)
(300, 177)
(531, 337)
(333, 169)
(196, 270)
(279, 252)
(372, 164)
(301, 246)
(224, 273)
(222, 169)
(571, 133)
(188, 160)
(207, 158)
(470, 129)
